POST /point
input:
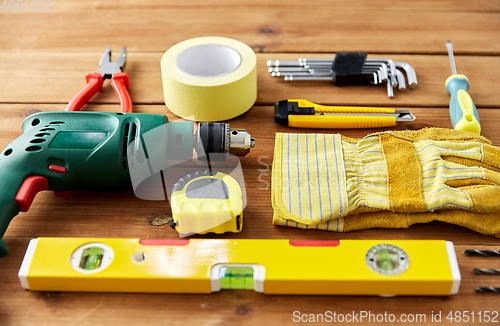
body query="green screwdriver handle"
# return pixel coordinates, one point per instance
(463, 112)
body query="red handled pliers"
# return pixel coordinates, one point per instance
(107, 70)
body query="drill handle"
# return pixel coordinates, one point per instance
(10, 208)
(17, 198)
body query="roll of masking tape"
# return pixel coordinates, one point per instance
(209, 78)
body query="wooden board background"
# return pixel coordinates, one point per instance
(43, 59)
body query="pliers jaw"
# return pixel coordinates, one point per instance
(107, 70)
(107, 67)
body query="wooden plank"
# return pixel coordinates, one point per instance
(266, 30)
(45, 55)
(458, 5)
(55, 77)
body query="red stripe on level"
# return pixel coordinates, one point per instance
(314, 243)
(163, 242)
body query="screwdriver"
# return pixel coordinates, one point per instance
(463, 112)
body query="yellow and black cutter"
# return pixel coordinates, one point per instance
(305, 114)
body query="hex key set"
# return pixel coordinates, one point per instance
(348, 68)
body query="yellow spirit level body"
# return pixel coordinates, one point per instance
(279, 266)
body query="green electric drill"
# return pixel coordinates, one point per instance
(63, 151)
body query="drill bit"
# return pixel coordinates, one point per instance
(487, 289)
(486, 271)
(485, 253)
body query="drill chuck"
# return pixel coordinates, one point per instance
(219, 138)
(240, 142)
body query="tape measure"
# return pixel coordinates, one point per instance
(206, 202)
(351, 267)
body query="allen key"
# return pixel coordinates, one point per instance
(379, 72)
(347, 68)
(392, 68)
(400, 81)
(410, 73)
(383, 68)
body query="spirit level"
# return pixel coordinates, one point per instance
(358, 267)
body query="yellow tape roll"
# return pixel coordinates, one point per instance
(209, 78)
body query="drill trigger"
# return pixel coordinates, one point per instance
(28, 190)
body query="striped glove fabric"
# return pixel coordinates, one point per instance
(387, 179)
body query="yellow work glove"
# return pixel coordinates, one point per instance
(331, 182)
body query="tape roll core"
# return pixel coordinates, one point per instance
(208, 60)
(209, 78)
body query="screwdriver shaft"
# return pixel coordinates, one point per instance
(449, 46)
(484, 253)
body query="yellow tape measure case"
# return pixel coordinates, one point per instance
(207, 202)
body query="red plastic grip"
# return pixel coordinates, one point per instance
(94, 85)
(28, 190)
(121, 84)
(57, 169)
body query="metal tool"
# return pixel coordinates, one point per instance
(347, 68)
(488, 289)
(305, 114)
(463, 112)
(400, 80)
(486, 271)
(392, 69)
(484, 253)
(206, 202)
(108, 69)
(410, 73)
